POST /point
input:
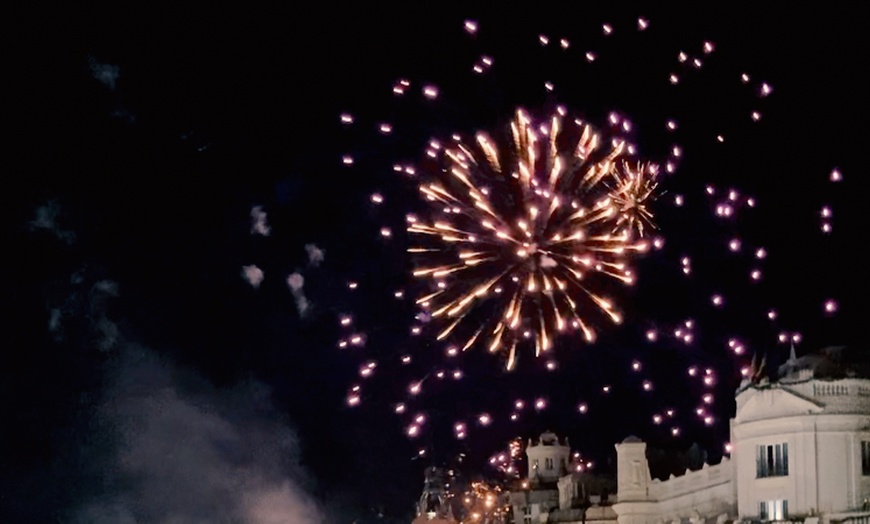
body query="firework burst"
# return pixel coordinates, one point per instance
(524, 232)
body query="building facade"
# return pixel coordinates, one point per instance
(554, 493)
(800, 452)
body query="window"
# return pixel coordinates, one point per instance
(773, 509)
(772, 461)
(865, 457)
(548, 463)
(527, 515)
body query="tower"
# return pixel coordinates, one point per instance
(433, 501)
(548, 458)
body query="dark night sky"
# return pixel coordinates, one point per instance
(143, 379)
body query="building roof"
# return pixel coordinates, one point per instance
(832, 362)
(548, 438)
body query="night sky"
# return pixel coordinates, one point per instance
(146, 380)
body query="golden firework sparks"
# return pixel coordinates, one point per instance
(524, 231)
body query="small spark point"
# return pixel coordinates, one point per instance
(430, 92)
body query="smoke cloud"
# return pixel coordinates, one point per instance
(106, 74)
(47, 216)
(179, 450)
(259, 225)
(296, 282)
(253, 275)
(315, 255)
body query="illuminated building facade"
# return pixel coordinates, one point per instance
(800, 452)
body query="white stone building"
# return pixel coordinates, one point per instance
(800, 452)
(553, 493)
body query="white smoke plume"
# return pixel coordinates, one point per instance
(315, 255)
(259, 225)
(179, 450)
(296, 282)
(47, 219)
(105, 330)
(106, 74)
(55, 325)
(253, 275)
